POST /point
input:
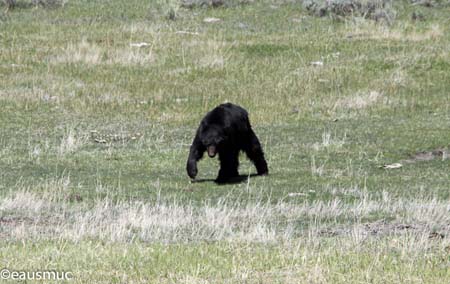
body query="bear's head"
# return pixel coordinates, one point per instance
(212, 138)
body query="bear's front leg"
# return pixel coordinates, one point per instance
(229, 163)
(195, 154)
(191, 168)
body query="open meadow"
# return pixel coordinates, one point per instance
(100, 101)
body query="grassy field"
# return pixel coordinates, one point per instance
(95, 132)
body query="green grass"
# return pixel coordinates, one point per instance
(213, 263)
(68, 76)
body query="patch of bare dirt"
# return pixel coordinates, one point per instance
(383, 228)
(8, 220)
(441, 154)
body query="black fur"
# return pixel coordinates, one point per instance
(226, 130)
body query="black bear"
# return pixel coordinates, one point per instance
(226, 130)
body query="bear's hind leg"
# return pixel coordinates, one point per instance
(254, 152)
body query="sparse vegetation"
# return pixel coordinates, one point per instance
(190, 4)
(431, 3)
(10, 4)
(100, 101)
(339, 9)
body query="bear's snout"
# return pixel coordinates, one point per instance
(212, 151)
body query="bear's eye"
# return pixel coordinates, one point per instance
(208, 142)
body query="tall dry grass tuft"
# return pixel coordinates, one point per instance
(330, 140)
(90, 53)
(403, 32)
(71, 142)
(359, 100)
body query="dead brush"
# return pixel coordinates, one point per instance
(378, 10)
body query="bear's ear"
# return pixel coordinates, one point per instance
(202, 127)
